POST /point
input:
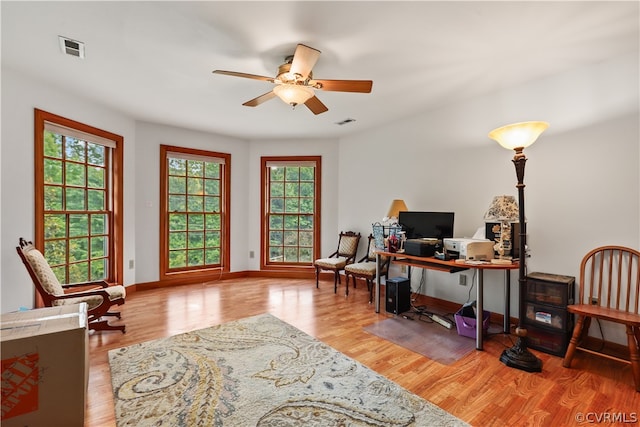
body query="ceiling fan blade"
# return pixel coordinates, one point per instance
(304, 59)
(260, 99)
(245, 75)
(363, 86)
(315, 105)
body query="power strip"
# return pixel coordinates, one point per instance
(441, 320)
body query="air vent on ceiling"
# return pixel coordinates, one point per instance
(345, 121)
(71, 47)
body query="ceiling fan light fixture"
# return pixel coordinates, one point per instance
(293, 94)
(294, 82)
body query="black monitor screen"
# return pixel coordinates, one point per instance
(437, 225)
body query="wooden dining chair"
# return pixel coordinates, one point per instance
(609, 290)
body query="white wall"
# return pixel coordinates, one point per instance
(582, 180)
(20, 95)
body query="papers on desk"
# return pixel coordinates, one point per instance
(480, 233)
(471, 262)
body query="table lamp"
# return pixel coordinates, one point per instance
(517, 137)
(503, 209)
(396, 207)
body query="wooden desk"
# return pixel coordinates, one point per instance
(432, 263)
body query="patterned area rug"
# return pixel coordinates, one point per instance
(258, 371)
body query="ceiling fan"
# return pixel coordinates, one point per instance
(295, 83)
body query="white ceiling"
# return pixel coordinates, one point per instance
(153, 60)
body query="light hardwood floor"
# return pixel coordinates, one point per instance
(479, 389)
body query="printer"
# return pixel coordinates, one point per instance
(469, 249)
(422, 247)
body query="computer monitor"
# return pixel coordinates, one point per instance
(417, 225)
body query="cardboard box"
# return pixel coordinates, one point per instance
(45, 369)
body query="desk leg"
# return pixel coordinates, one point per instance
(479, 309)
(506, 324)
(377, 284)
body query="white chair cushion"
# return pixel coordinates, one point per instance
(331, 263)
(371, 252)
(93, 301)
(44, 272)
(364, 268)
(348, 245)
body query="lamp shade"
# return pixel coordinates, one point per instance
(293, 94)
(502, 208)
(396, 207)
(518, 135)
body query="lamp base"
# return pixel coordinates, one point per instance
(519, 356)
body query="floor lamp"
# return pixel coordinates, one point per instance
(517, 137)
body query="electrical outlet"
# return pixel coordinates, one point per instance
(462, 280)
(403, 269)
(130, 264)
(252, 254)
(595, 301)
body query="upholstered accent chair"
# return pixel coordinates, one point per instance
(365, 268)
(344, 255)
(98, 295)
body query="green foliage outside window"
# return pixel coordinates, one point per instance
(195, 220)
(76, 232)
(291, 214)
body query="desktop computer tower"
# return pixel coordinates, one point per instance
(398, 295)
